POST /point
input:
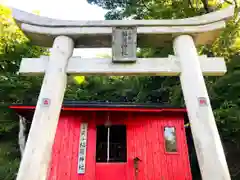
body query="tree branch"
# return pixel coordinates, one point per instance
(229, 1)
(235, 2)
(142, 2)
(190, 3)
(206, 6)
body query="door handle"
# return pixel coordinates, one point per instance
(136, 161)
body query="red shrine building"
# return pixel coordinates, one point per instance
(108, 141)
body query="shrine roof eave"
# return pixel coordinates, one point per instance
(107, 106)
(72, 107)
(92, 34)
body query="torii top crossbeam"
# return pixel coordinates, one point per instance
(151, 33)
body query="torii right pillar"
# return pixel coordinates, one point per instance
(210, 154)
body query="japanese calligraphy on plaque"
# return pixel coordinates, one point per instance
(124, 44)
(82, 148)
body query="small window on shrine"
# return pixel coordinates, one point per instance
(111, 144)
(170, 139)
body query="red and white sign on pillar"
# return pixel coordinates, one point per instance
(46, 102)
(202, 101)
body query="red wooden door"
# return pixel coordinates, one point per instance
(145, 140)
(111, 170)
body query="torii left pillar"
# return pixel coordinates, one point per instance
(36, 158)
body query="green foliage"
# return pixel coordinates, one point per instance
(14, 88)
(9, 160)
(13, 47)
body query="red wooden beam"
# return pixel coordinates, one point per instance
(125, 109)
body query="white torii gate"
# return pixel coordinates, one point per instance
(124, 36)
